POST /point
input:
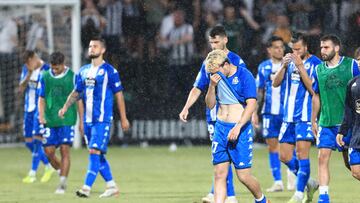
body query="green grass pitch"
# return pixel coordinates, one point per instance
(155, 175)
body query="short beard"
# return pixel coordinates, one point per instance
(94, 56)
(329, 57)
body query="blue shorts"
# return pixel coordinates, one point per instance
(97, 135)
(293, 132)
(327, 138)
(58, 136)
(354, 156)
(211, 129)
(238, 152)
(31, 125)
(271, 126)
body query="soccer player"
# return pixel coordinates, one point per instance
(329, 86)
(29, 80)
(99, 82)
(271, 100)
(295, 130)
(351, 122)
(218, 40)
(233, 88)
(55, 85)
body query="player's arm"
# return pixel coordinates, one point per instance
(41, 106)
(349, 115)
(24, 82)
(279, 76)
(192, 98)
(210, 98)
(315, 106)
(80, 109)
(72, 98)
(260, 102)
(120, 102)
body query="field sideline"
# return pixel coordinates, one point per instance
(155, 175)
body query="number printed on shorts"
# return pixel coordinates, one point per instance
(214, 146)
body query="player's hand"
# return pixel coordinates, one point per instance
(234, 133)
(255, 120)
(214, 79)
(339, 140)
(125, 125)
(314, 129)
(62, 112)
(183, 115)
(296, 59)
(287, 59)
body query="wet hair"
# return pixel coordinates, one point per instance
(215, 59)
(333, 38)
(57, 58)
(28, 54)
(296, 37)
(273, 39)
(218, 30)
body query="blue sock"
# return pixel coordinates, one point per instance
(104, 169)
(275, 165)
(230, 183)
(40, 151)
(261, 200)
(303, 174)
(30, 146)
(93, 169)
(293, 165)
(36, 155)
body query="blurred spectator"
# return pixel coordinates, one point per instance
(210, 22)
(283, 28)
(134, 27)
(234, 28)
(113, 30)
(353, 34)
(181, 50)
(299, 13)
(214, 6)
(36, 35)
(167, 24)
(8, 61)
(154, 12)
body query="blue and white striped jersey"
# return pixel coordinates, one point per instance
(202, 81)
(273, 96)
(297, 104)
(31, 92)
(98, 85)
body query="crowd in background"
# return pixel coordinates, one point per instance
(159, 45)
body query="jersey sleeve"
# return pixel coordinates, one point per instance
(315, 84)
(79, 85)
(114, 81)
(349, 116)
(41, 87)
(260, 78)
(202, 80)
(355, 68)
(249, 85)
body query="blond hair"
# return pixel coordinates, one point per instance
(214, 59)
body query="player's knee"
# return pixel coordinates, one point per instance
(243, 177)
(284, 157)
(220, 174)
(356, 174)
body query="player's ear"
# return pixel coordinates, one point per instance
(337, 48)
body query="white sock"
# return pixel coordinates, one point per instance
(58, 172)
(48, 166)
(279, 182)
(261, 198)
(299, 194)
(110, 183)
(86, 187)
(32, 173)
(62, 180)
(324, 190)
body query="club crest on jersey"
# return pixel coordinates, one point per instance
(101, 72)
(235, 81)
(307, 66)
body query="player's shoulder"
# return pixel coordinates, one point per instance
(244, 73)
(45, 67)
(315, 60)
(266, 64)
(109, 68)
